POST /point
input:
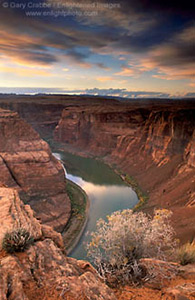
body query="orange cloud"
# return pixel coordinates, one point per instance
(25, 72)
(171, 72)
(132, 70)
(104, 79)
(192, 84)
(23, 50)
(126, 71)
(175, 74)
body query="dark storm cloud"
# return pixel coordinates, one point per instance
(19, 33)
(77, 56)
(20, 38)
(136, 27)
(185, 8)
(175, 59)
(177, 54)
(102, 66)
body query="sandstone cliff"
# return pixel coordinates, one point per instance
(154, 144)
(44, 111)
(42, 271)
(27, 164)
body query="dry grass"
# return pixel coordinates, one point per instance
(186, 254)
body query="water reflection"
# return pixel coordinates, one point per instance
(104, 198)
(89, 169)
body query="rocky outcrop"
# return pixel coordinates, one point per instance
(27, 164)
(13, 213)
(42, 271)
(153, 144)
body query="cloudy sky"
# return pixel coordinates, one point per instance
(109, 47)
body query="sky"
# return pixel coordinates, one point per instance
(121, 48)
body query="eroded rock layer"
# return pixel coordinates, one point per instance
(42, 271)
(154, 144)
(27, 164)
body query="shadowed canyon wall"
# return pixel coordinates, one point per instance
(27, 164)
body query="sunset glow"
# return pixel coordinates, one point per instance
(128, 46)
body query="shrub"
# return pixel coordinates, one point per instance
(118, 244)
(17, 240)
(186, 254)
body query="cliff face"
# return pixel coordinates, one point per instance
(27, 164)
(44, 111)
(42, 271)
(155, 145)
(169, 134)
(160, 134)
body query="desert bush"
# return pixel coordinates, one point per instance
(17, 240)
(120, 242)
(186, 253)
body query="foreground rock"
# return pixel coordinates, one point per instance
(27, 164)
(178, 291)
(42, 271)
(164, 281)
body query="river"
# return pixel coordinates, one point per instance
(106, 191)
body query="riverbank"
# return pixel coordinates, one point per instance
(129, 180)
(79, 216)
(143, 197)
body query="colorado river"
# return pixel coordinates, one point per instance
(105, 189)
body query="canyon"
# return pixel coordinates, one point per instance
(152, 141)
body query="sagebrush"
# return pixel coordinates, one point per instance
(17, 240)
(120, 242)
